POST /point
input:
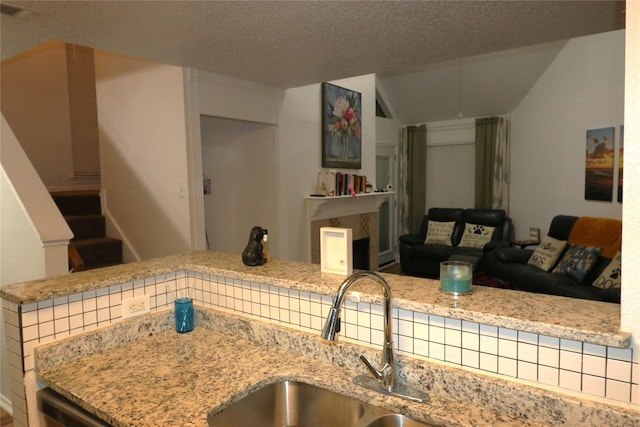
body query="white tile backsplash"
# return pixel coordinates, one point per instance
(470, 340)
(570, 360)
(421, 347)
(593, 385)
(453, 337)
(453, 354)
(471, 358)
(436, 351)
(489, 362)
(488, 330)
(527, 352)
(471, 327)
(508, 348)
(527, 371)
(570, 380)
(619, 370)
(547, 341)
(548, 375)
(567, 364)
(508, 366)
(594, 365)
(618, 390)
(420, 331)
(624, 354)
(594, 350)
(635, 394)
(436, 334)
(489, 344)
(508, 334)
(571, 345)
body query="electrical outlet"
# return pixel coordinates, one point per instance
(135, 306)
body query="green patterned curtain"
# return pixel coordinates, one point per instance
(412, 170)
(492, 163)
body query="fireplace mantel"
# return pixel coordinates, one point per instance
(358, 213)
(319, 208)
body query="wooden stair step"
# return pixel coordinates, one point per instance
(85, 202)
(100, 251)
(86, 226)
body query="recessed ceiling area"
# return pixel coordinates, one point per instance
(492, 84)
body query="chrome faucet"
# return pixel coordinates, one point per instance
(384, 379)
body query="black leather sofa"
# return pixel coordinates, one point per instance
(423, 260)
(510, 264)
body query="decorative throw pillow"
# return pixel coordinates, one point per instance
(547, 253)
(439, 232)
(476, 236)
(611, 277)
(577, 261)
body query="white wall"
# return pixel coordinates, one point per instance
(35, 90)
(300, 156)
(582, 89)
(240, 159)
(238, 145)
(21, 259)
(297, 153)
(143, 152)
(631, 207)
(231, 98)
(388, 131)
(33, 234)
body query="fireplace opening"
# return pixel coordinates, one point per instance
(361, 254)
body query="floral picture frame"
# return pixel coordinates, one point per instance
(341, 127)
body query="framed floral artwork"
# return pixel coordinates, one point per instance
(341, 127)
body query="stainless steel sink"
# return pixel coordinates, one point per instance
(394, 420)
(291, 403)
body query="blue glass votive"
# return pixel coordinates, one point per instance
(185, 315)
(455, 277)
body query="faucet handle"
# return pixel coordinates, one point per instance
(378, 375)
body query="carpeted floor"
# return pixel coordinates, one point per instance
(479, 278)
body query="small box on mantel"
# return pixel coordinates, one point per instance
(336, 250)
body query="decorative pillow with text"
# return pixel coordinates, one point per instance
(547, 253)
(577, 261)
(611, 277)
(439, 233)
(476, 236)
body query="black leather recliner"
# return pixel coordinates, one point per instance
(510, 264)
(423, 260)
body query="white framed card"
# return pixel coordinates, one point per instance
(336, 250)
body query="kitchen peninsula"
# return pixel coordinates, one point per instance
(287, 302)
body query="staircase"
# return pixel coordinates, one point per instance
(89, 248)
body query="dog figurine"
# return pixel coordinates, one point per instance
(252, 254)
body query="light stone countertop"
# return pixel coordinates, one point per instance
(142, 373)
(575, 319)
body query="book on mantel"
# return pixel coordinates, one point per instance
(331, 183)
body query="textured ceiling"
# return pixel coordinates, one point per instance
(289, 44)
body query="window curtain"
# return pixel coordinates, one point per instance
(492, 164)
(412, 170)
